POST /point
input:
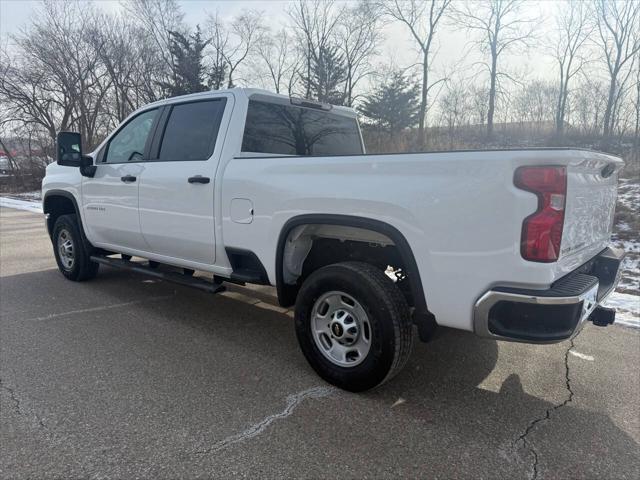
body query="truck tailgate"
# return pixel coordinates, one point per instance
(592, 182)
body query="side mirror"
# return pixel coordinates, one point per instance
(69, 148)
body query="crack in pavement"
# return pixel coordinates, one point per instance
(293, 401)
(547, 416)
(18, 404)
(12, 395)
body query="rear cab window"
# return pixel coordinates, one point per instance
(283, 129)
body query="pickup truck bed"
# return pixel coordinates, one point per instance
(460, 212)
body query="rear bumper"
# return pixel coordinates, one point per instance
(552, 315)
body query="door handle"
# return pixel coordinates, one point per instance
(199, 179)
(128, 179)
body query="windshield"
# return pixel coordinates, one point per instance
(290, 130)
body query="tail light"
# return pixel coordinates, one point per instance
(542, 230)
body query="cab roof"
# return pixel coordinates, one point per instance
(262, 94)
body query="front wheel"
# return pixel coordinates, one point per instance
(353, 325)
(71, 250)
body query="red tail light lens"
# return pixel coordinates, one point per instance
(542, 230)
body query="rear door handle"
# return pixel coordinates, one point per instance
(199, 179)
(128, 179)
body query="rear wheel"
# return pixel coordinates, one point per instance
(71, 250)
(353, 325)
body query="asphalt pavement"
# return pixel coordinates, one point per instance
(130, 377)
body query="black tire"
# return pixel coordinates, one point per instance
(82, 268)
(388, 315)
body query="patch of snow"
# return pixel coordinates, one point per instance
(627, 319)
(35, 195)
(627, 306)
(630, 278)
(17, 204)
(631, 263)
(629, 192)
(632, 246)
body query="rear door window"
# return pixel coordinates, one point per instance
(290, 130)
(191, 130)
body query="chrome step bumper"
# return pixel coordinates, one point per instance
(552, 315)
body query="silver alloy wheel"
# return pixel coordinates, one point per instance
(341, 329)
(66, 249)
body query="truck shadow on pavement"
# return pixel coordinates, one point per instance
(199, 359)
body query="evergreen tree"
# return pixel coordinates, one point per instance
(327, 76)
(188, 70)
(217, 76)
(394, 105)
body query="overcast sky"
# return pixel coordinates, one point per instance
(16, 13)
(397, 48)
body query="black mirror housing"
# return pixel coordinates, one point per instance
(69, 149)
(87, 168)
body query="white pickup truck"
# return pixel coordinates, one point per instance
(253, 187)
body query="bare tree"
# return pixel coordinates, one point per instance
(216, 56)
(571, 33)
(478, 103)
(158, 18)
(358, 37)
(279, 58)
(13, 164)
(60, 44)
(233, 46)
(31, 96)
(422, 18)
(133, 64)
(454, 108)
(636, 134)
(618, 24)
(621, 111)
(501, 28)
(315, 22)
(588, 105)
(533, 105)
(58, 80)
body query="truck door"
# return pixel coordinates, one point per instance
(110, 198)
(176, 192)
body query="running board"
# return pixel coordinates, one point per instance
(186, 280)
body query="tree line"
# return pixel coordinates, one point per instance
(76, 67)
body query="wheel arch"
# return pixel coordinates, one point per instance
(60, 202)
(287, 293)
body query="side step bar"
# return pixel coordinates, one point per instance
(175, 277)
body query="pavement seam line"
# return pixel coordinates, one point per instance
(583, 356)
(293, 401)
(547, 416)
(97, 309)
